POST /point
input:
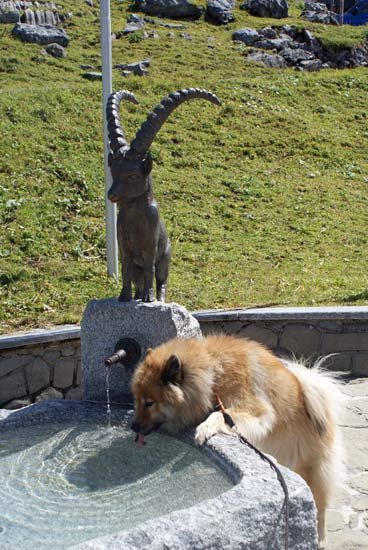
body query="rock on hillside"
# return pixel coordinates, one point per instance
(38, 17)
(318, 13)
(220, 12)
(40, 34)
(9, 15)
(298, 48)
(134, 23)
(176, 9)
(276, 9)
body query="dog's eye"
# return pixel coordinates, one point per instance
(148, 404)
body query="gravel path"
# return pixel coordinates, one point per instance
(347, 520)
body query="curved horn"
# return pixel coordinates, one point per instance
(116, 134)
(147, 132)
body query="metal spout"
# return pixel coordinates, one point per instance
(117, 357)
(127, 352)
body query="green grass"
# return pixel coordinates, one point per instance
(265, 198)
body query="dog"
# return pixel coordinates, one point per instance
(284, 408)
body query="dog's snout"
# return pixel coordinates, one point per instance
(136, 426)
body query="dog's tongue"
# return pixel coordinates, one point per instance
(139, 438)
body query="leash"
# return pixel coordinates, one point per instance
(285, 507)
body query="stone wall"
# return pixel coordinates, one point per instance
(32, 370)
(307, 333)
(46, 364)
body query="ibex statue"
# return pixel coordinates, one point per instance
(143, 243)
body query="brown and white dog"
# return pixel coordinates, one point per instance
(284, 408)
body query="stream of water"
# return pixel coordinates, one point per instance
(108, 405)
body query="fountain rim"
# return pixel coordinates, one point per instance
(239, 463)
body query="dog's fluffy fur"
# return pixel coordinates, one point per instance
(284, 408)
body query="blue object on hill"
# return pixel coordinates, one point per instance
(358, 14)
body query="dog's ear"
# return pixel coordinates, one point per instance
(148, 351)
(172, 372)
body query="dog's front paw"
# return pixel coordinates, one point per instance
(212, 426)
(202, 434)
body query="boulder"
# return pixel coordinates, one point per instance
(318, 13)
(40, 34)
(56, 50)
(152, 34)
(134, 23)
(268, 32)
(176, 9)
(273, 44)
(276, 9)
(308, 36)
(247, 35)
(293, 56)
(15, 5)
(310, 65)
(140, 68)
(186, 36)
(273, 61)
(290, 30)
(92, 76)
(38, 17)
(50, 5)
(220, 11)
(9, 16)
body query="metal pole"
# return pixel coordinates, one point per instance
(110, 208)
(342, 9)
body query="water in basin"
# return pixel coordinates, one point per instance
(61, 484)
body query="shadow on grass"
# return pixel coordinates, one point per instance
(355, 297)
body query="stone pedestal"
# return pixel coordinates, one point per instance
(105, 322)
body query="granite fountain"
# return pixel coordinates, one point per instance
(69, 480)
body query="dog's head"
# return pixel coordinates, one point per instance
(157, 387)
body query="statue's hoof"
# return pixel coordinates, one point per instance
(149, 297)
(125, 297)
(161, 293)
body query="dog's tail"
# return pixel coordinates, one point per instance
(324, 404)
(321, 389)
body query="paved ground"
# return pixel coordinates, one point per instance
(348, 519)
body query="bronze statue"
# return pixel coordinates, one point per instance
(143, 242)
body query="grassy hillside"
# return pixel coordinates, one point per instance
(265, 198)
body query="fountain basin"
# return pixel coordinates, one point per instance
(244, 509)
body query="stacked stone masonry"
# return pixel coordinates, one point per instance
(47, 364)
(44, 371)
(346, 344)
